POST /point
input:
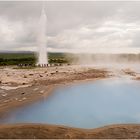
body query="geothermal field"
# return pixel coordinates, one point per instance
(78, 96)
(69, 70)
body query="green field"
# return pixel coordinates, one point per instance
(29, 58)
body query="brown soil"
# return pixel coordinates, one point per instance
(44, 131)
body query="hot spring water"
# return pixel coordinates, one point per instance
(85, 105)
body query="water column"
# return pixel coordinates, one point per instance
(42, 40)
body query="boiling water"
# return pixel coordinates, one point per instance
(42, 40)
(85, 105)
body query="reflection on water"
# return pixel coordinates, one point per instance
(86, 105)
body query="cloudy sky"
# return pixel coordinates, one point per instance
(72, 26)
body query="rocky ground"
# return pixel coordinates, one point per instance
(23, 86)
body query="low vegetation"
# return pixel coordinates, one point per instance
(29, 59)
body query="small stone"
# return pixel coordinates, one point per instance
(42, 91)
(24, 98)
(6, 101)
(24, 76)
(35, 89)
(41, 75)
(4, 94)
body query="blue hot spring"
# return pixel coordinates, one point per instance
(84, 105)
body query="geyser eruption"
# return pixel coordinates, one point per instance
(42, 40)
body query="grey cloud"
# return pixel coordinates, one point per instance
(71, 24)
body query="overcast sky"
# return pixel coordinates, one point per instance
(72, 26)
